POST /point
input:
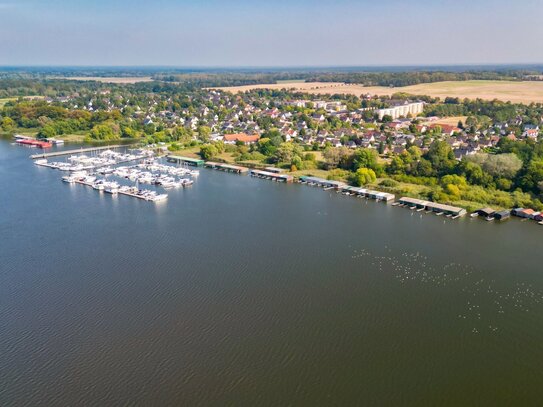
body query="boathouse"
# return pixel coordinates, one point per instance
(377, 195)
(380, 196)
(502, 215)
(523, 213)
(321, 182)
(272, 176)
(432, 206)
(275, 170)
(486, 212)
(227, 167)
(186, 160)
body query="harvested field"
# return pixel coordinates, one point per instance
(519, 92)
(108, 79)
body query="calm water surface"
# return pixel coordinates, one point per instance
(240, 291)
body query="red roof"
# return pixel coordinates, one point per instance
(511, 136)
(447, 128)
(37, 143)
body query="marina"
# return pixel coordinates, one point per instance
(85, 170)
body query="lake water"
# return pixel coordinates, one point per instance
(240, 291)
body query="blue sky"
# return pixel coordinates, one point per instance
(270, 33)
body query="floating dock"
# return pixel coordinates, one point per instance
(186, 160)
(272, 176)
(73, 151)
(227, 167)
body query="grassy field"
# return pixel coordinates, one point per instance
(72, 138)
(190, 152)
(521, 92)
(3, 101)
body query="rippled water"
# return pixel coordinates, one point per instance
(240, 291)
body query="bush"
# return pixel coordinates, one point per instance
(208, 151)
(390, 183)
(174, 147)
(337, 174)
(411, 179)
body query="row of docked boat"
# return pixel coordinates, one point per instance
(113, 187)
(146, 177)
(153, 166)
(81, 162)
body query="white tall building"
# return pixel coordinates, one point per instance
(401, 110)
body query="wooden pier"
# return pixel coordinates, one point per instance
(74, 151)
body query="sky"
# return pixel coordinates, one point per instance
(257, 33)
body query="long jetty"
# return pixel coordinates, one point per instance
(73, 151)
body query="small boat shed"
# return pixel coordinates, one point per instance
(432, 206)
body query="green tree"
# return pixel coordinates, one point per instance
(441, 157)
(364, 176)
(365, 158)
(497, 165)
(533, 176)
(208, 151)
(104, 132)
(47, 131)
(8, 123)
(204, 134)
(182, 134)
(266, 147)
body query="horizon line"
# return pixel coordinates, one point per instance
(434, 65)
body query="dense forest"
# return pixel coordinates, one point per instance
(193, 78)
(365, 78)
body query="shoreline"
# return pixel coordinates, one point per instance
(345, 188)
(414, 204)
